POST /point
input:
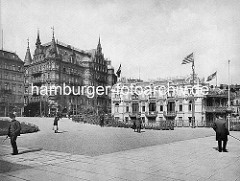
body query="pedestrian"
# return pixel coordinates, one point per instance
(55, 123)
(221, 129)
(102, 119)
(138, 123)
(13, 132)
(134, 125)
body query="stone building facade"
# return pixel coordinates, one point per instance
(169, 99)
(61, 65)
(11, 83)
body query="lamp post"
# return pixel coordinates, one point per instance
(228, 108)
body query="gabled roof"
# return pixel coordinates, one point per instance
(9, 55)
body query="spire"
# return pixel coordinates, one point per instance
(53, 33)
(99, 47)
(28, 57)
(38, 42)
(53, 48)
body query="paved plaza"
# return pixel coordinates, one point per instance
(89, 152)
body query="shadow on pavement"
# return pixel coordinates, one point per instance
(215, 148)
(9, 167)
(60, 131)
(28, 151)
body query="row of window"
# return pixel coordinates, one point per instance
(42, 67)
(69, 70)
(43, 78)
(100, 68)
(15, 88)
(8, 66)
(152, 107)
(11, 76)
(99, 60)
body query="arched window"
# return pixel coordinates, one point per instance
(190, 105)
(116, 107)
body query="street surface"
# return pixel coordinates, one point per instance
(93, 140)
(84, 152)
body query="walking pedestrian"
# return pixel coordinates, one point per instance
(55, 123)
(13, 132)
(220, 127)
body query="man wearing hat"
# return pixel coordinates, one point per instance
(13, 132)
(221, 129)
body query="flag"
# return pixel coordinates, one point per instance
(119, 71)
(212, 76)
(188, 59)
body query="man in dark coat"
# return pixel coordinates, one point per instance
(101, 119)
(13, 132)
(55, 122)
(221, 129)
(138, 123)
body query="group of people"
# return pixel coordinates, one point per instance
(220, 127)
(137, 124)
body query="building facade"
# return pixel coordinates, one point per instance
(170, 99)
(63, 66)
(11, 83)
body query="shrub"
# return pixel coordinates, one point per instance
(109, 121)
(25, 127)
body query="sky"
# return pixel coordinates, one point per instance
(149, 38)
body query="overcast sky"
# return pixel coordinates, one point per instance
(150, 37)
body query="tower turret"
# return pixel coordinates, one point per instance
(28, 57)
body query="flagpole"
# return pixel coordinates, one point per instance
(216, 79)
(193, 101)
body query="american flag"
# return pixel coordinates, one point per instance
(119, 71)
(210, 77)
(188, 59)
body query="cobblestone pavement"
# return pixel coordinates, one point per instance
(189, 159)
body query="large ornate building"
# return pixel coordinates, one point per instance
(169, 99)
(59, 64)
(11, 83)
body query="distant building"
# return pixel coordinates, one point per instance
(169, 99)
(11, 83)
(59, 64)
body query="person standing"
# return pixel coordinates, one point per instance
(102, 119)
(13, 132)
(138, 123)
(55, 123)
(221, 129)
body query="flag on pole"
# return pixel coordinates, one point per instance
(119, 71)
(188, 59)
(210, 77)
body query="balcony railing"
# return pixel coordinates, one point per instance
(220, 109)
(169, 114)
(151, 114)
